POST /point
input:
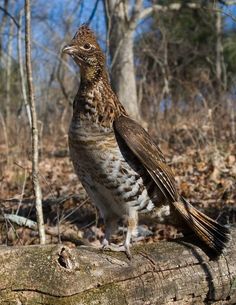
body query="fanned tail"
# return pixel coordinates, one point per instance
(208, 230)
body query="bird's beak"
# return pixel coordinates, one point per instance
(69, 49)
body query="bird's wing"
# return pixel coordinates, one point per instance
(143, 147)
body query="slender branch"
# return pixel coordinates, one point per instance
(57, 56)
(34, 129)
(177, 6)
(163, 8)
(135, 14)
(22, 75)
(4, 130)
(232, 2)
(93, 12)
(224, 13)
(9, 15)
(8, 74)
(64, 92)
(2, 25)
(108, 24)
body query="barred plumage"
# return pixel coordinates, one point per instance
(121, 168)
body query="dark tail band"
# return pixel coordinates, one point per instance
(208, 230)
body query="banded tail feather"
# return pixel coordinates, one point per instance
(215, 235)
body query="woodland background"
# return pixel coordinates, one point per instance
(172, 64)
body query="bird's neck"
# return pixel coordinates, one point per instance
(91, 75)
(95, 101)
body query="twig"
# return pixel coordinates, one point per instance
(223, 12)
(22, 193)
(73, 211)
(9, 15)
(93, 12)
(25, 222)
(4, 129)
(57, 56)
(13, 229)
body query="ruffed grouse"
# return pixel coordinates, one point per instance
(119, 165)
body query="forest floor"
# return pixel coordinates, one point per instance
(205, 176)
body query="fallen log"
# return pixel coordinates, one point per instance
(174, 272)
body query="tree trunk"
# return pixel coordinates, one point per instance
(34, 129)
(123, 74)
(220, 73)
(122, 18)
(174, 272)
(8, 74)
(2, 25)
(21, 67)
(120, 43)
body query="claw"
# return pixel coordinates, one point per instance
(117, 248)
(128, 253)
(105, 243)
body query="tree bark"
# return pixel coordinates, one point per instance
(34, 129)
(174, 272)
(120, 44)
(3, 23)
(21, 67)
(220, 65)
(122, 19)
(8, 74)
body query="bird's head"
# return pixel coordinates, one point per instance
(86, 52)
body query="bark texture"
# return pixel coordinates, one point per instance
(34, 127)
(174, 272)
(120, 40)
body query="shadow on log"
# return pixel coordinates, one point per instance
(173, 272)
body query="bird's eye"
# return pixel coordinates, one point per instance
(87, 46)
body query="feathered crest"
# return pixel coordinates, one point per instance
(85, 33)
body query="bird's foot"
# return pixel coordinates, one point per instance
(117, 248)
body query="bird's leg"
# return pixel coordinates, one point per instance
(110, 228)
(111, 225)
(131, 231)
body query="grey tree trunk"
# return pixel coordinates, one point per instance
(21, 66)
(8, 74)
(120, 44)
(123, 73)
(34, 128)
(173, 273)
(220, 66)
(122, 18)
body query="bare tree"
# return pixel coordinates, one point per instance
(220, 67)
(124, 17)
(120, 43)
(34, 129)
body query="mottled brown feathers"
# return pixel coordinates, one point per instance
(87, 53)
(86, 35)
(85, 31)
(95, 99)
(120, 166)
(139, 141)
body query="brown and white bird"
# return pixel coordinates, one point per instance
(122, 169)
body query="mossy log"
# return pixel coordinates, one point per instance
(174, 272)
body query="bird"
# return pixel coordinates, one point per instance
(120, 166)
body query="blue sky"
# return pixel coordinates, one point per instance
(230, 16)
